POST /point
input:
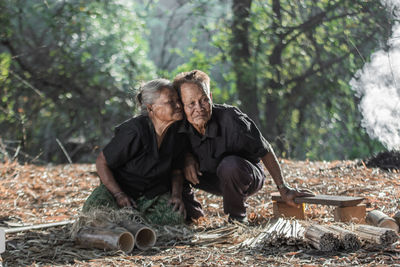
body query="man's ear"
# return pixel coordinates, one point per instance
(211, 95)
(149, 108)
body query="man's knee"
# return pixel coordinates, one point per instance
(231, 167)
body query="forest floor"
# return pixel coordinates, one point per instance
(31, 194)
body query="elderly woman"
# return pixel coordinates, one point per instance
(140, 166)
(227, 149)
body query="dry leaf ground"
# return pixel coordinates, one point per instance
(32, 194)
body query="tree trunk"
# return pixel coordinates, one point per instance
(275, 60)
(241, 58)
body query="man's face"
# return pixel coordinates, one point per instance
(196, 104)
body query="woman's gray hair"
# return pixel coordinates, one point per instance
(150, 91)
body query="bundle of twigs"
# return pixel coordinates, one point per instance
(217, 236)
(377, 235)
(348, 239)
(322, 238)
(283, 231)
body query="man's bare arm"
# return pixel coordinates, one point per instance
(287, 193)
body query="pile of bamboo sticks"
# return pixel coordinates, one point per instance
(323, 238)
(348, 240)
(289, 232)
(331, 238)
(377, 235)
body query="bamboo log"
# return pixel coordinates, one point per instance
(110, 238)
(145, 237)
(4, 231)
(36, 226)
(377, 235)
(322, 238)
(2, 240)
(396, 217)
(348, 239)
(380, 219)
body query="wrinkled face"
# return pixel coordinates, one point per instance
(196, 104)
(167, 107)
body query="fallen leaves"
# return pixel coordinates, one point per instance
(31, 194)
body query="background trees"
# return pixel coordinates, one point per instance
(68, 71)
(303, 55)
(68, 68)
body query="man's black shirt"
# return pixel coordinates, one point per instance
(229, 132)
(138, 165)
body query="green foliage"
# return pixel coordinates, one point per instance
(67, 68)
(303, 55)
(308, 53)
(74, 65)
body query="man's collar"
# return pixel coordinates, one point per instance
(212, 127)
(184, 127)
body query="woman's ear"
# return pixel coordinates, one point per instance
(149, 108)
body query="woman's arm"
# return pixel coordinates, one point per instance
(176, 192)
(107, 178)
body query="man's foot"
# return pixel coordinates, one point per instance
(239, 219)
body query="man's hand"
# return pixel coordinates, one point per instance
(288, 194)
(178, 205)
(191, 169)
(124, 201)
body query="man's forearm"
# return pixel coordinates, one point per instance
(288, 194)
(271, 163)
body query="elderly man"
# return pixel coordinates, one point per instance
(226, 149)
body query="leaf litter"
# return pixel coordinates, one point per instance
(32, 194)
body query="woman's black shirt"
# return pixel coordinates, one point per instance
(138, 165)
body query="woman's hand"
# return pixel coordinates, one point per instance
(191, 169)
(178, 205)
(288, 194)
(124, 201)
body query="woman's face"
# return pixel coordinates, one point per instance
(196, 104)
(167, 107)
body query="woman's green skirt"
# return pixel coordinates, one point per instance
(155, 211)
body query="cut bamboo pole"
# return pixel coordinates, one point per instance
(380, 219)
(115, 238)
(145, 237)
(377, 235)
(396, 217)
(4, 231)
(348, 239)
(322, 238)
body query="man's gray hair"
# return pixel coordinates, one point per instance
(198, 77)
(150, 91)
